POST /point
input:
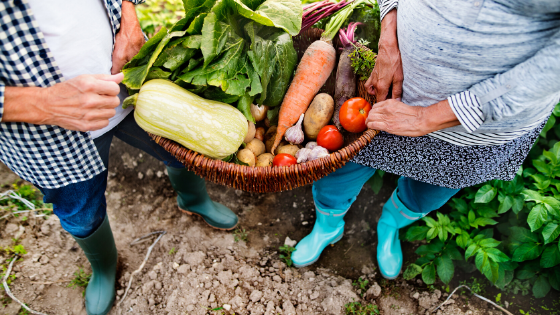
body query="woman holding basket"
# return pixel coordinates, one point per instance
(473, 83)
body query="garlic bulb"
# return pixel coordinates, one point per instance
(317, 153)
(311, 145)
(294, 134)
(302, 155)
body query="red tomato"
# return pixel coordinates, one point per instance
(353, 114)
(284, 159)
(330, 138)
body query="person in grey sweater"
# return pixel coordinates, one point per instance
(463, 90)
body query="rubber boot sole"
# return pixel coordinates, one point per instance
(210, 225)
(314, 261)
(389, 278)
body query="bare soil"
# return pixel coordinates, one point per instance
(195, 269)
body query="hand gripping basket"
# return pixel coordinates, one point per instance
(273, 179)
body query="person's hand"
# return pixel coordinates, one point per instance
(388, 67)
(395, 117)
(84, 103)
(129, 39)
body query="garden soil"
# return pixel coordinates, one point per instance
(195, 269)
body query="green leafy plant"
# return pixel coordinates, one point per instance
(81, 279)
(286, 254)
(477, 286)
(240, 235)
(29, 193)
(362, 60)
(376, 181)
(525, 211)
(356, 308)
(172, 251)
(362, 285)
(153, 14)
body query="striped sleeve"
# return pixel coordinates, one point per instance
(387, 5)
(468, 110)
(2, 88)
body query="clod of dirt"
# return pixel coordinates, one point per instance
(429, 301)
(373, 292)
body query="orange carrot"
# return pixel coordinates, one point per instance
(312, 72)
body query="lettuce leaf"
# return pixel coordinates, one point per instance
(134, 77)
(284, 14)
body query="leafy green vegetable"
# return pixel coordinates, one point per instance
(242, 47)
(244, 105)
(134, 77)
(362, 61)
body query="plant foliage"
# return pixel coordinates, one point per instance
(526, 214)
(232, 51)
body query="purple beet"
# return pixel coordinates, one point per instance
(345, 87)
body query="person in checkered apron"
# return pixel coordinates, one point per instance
(60, 106)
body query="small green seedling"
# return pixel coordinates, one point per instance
(286, 254)
(361, 284)
(240, 235)
(81, 279)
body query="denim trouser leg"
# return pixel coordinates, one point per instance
(421, 197)
(81, 207)
(339, 189)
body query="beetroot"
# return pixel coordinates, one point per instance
(345, 87)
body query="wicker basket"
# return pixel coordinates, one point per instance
(272, 179)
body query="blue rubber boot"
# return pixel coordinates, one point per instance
(328, 229)
(394, 217)
(101, 252)
(192, 198)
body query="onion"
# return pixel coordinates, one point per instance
(259, 111)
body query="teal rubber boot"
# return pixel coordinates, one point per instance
(394, 217)
(101, 253)
(192, 198)
(328, 229)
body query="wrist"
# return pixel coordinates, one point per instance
(25, 104)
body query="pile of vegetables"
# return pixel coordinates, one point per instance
(231, 51)
(239, 53)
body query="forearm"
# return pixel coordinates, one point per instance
(23, 104)
(389, 27)
(129, 20)
(438, 116)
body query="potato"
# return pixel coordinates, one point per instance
(291, 149)
(259, 134)
(318, 115)
(269, 138)
(246, 156)
(265, 160)
(256, 146)
(282, 143)
(250, 133)
(271, 132)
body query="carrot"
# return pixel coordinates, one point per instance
(315, 67)
(312, 72)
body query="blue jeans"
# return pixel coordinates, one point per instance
(81, 207)
(339, 190)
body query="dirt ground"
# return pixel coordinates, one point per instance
(195, 269)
